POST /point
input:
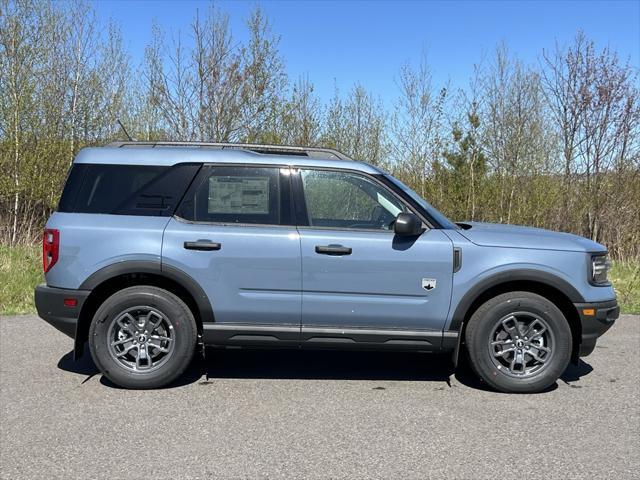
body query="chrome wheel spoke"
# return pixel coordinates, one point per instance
(503, 352)
(539, 349)
(500, 348)
(159, 348)
(517, 364)
(126, 350)
(533, 332)
(151, 325)
(131, 326)
(537, 357)
(143, 360)
(160, 337)
(511, 326)
(121, 342)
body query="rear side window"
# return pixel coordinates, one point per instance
(244, 195)
(126, 189)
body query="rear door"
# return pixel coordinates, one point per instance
(357, 274)
(233, 234)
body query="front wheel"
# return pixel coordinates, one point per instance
(142, 337)
(519, 342)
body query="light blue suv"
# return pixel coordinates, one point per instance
(157, 249)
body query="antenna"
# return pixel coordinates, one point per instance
(124, 130)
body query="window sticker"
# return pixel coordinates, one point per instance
(238, 195)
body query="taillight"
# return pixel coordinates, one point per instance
(50, 248)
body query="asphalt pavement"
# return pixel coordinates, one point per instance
(324, 414)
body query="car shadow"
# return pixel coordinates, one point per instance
(318, 365)
(83, 366)
(575, 372)
(327, 365)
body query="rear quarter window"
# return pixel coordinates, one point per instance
(126, 189)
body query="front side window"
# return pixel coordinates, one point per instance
(348, 200)
(235, 195)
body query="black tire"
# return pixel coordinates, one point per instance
(180, 327)
(493, 363)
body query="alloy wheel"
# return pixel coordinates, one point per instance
(141, 339)
(521, 344)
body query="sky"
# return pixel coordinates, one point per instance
(340, 43)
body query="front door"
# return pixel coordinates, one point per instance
(234, 235)
(357, 274)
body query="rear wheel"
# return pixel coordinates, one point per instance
(519, 342)
(142, 337)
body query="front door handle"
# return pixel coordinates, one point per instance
(333, 250)
(202, 245)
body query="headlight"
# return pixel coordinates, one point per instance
(600, 269)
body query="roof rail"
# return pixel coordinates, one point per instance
(314, 152)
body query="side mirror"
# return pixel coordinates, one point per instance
(407, 224)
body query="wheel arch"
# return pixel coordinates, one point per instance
(108, 280)
(547, 285)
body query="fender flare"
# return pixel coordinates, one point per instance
(155, 268)
(517, 275)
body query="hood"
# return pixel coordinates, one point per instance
(513, 236)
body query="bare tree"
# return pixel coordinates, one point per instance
(171, 88)
(264, 80)
(80, 53)
(62, 83)
(563, 81)
(357, 126)
(609, 98)
(218, 78)
(218, 89)
(20, 43)
(514, 125)
(594, 102)
(301, 116)
(417, 122)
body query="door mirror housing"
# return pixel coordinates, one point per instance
(407, 224)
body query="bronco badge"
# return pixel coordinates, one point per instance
(428, 283)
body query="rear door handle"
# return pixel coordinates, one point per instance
(333, 250)
(202, 245)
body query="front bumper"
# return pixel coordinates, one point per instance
(50, 303)
(596, 318)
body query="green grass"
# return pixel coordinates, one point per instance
(21, 271)
(625, 277)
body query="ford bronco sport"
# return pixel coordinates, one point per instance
(157, 249)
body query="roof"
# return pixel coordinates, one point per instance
(140, 153)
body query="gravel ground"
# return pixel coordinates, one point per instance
(313, 414)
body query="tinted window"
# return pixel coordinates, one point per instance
(161, 194)
(72, 187)
(126, 189)
(348, 200)
(235, 195)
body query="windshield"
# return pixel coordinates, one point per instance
(435, 214)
